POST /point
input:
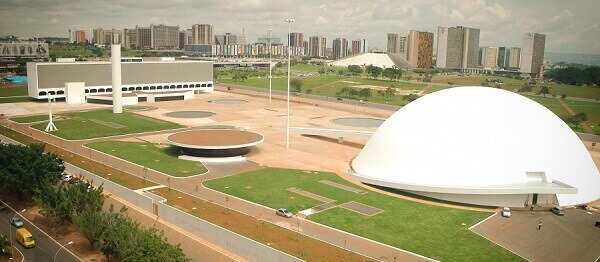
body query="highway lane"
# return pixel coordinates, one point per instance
(46, 247)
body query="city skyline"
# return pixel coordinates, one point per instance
(569, 27)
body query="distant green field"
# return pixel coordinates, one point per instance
(4, 100)
(592, 110)
(30, 119)
(162, 159)
(330, 84)
(103, 123)
(433, 231)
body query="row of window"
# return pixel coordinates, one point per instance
(139, 88)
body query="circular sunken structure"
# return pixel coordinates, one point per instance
(358, 121)
(190, 114)
(215, 142)
(228, 101)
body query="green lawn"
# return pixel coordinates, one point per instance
(592, 110)
(13, 90)
(81, 125)
(160, 158)
(30, 119)
(432, 231)
(16, 99)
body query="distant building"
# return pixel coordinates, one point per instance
(230, 39)
(503, 57)
(317, 46)
(340, 48)
(98, 37)
(165, 37)
(488, 56)
(296, 39)
(182, 38)
(420, 49)
(129, 38)
(396, 44)
(201, 34)
(275, 40)
(113, 37)
(359, 46)
(458, 47)
(305, 47)
(532, 54)
(514, 60)
(80, 35)
(143, 37)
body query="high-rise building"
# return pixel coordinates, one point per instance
(113, 37)
(532, 53)
(503, 56)
(317, 46)
(80, 35)
(143, 37)
(340, 48)
(165, 37)
(201, 34)
(359, 46)
(514, 60)
(296, 39)
(230, 39)
(305, 47)
(98, 36)
(488, 57)
(420, 49)
(182, 38)
(396, 43)
(129, 38)
(275, 40)
(458, 47)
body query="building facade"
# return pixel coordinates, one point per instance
(201, 34)
(397, 43)
(532, 53)
(143, 37)
(296, 39)
(317, 46)
(340, 48)
(420, 49)
(458, 47)
(488, 57)
(359, 46)
(514, 60)
(165, 37)
(503, 57)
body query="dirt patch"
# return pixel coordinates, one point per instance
(300, 246)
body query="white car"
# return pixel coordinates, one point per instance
(506, 212)
(361, 101)
(284, 213)
(67, 177)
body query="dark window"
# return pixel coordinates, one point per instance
(100, 90)
(138, 88)
(159, 88)
(131, 88)
(60, 92)
(93, 91)
(51, 92)
(109, 90)
(203, 85)
(146, 88)
(44, 93)
(123, 88)
(152, 87)
(209, 85)
(87, 91)
(172, 87)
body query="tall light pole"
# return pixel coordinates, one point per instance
(12, 248)
(287, 126)
(270, 43)
(61, 247)
(50, 126)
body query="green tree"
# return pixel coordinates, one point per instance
(485, 83)
(526, 88)
(381, 93)
(345, 90)
(411, 97)
(408, 78)
(576, 119)
(389, 73)
(374, 71)
(53, 204)
(354, 92)
(91, 225)
(341, 72)
(366, 93)
(427, 79)
(545, 90)
(390, 92)
(296, 85)
(321, 71)
(82, 196)
(355, 69)
(23, 169)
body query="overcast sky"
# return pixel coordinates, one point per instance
(570, 26)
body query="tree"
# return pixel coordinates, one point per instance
(23, 169)
(411, 97)
(82, 196)
(390, 92)
(526, 88)
(374, 71)
(427, 79)
(340, 72)
(355, 69)
(309, 91)
(389, 73)
(345, 90)
(381, 93)
(545, 90)
(53, 205)
(354, 92)
(366, 93)
(296, 85)
(91, 225)
(484, 83)
(408, 78)
(576, 119)
(321, 71)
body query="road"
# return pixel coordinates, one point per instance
(45, 248)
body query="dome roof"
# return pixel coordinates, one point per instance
(473, 138)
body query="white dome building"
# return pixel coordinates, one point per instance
(482, 146)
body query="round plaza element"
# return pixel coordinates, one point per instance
(228, 101)
(358, 121)
(215, 142)
(190, 114)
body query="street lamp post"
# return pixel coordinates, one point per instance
(12, 248)
(270, 68)
(287, 126)
(61, 247)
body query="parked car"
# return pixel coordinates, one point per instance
(558, 210)
(361, 101)
(339, 98)
(506, 212)
(283, 212)
(67, 177)
(17, 222)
